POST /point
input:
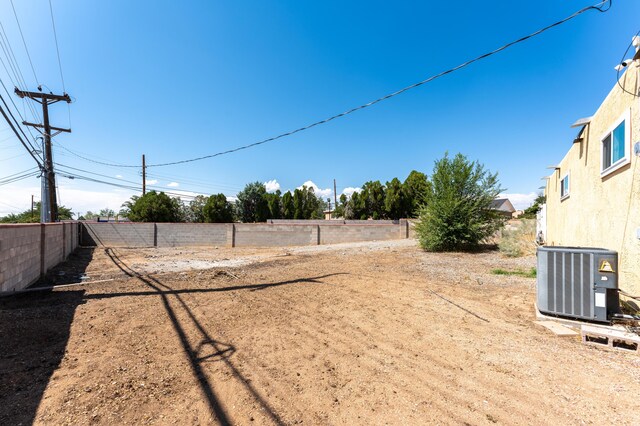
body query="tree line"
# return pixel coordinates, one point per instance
(453, 208)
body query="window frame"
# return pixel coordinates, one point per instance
(626, 158)
(566, 195)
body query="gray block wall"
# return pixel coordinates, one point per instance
(191, 234)
(277, 234)
(267, 235)
(28, 251)
(122, 234)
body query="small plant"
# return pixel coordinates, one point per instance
(520, 241)
(532, 273)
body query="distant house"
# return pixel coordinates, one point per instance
(593, 194)
(503, 206)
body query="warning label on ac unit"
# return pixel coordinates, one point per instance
(605, 266)
(601, 300)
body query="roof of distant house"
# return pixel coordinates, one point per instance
(503, 205)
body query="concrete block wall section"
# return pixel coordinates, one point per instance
(191, 234)
(239, 234)
(28, 251)
(267, 235)
(118, 234)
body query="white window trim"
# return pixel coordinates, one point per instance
(568, 177)
(626, 117)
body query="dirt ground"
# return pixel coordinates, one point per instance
(375, 333)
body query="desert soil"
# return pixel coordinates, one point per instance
(373, 333)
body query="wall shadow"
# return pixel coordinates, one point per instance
(70, 271)
(34, 331)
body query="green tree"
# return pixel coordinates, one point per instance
(373, 194)
(194, 211)
(298, 204)
(153, 207)
(416, 187)
(107, 212)
(395, 200)
(339, 209)
(288, 207)
(356, 207)
(532, 211)
(27, 216)
(218, 210)
(457, 214)
(274, 203)
(252, 205)
(89, 215)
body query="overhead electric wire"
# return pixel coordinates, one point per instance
(599, 7)
(138, 185)
(98, 162)
(18, 135)
(24, 43)
(55, 37)
(13, 64)
(133, 188)
(16, 121)
(19, 178)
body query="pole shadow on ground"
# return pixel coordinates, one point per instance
(221, 351)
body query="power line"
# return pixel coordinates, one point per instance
(15, 68)
(599, 7)
(153, 187)
(17, 134)
(95, 161)
(55, 37)
(24, 43)
(33, 149)
(18, 178)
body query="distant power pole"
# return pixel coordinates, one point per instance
(144, 176)
(46, 99)
(31, 206)
(335, 194)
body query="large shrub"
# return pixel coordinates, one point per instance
(457, 214)
(153, 207)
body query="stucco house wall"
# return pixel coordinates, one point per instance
(601, 210)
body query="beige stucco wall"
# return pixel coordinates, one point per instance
(601, 211)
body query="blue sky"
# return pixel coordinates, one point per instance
(176, 80)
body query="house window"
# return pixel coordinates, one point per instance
(564, 187)
(615, 145)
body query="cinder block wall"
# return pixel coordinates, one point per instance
(191, 234)
(28, 251)
(267, 235)
(276, 234)
(122, 234)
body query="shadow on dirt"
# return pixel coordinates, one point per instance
(34, 331)
(71, 271)
(215, 350)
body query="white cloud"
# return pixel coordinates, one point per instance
(78, 200)
(520, 201)
(272, 185)
(350, 190)
(119, 176)
(322, 193)
(173, 184)
(152, 181)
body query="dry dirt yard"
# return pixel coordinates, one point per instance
(376, 333)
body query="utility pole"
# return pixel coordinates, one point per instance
(144, 176)
(31, 206)
(335, 194)
(47, 99)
